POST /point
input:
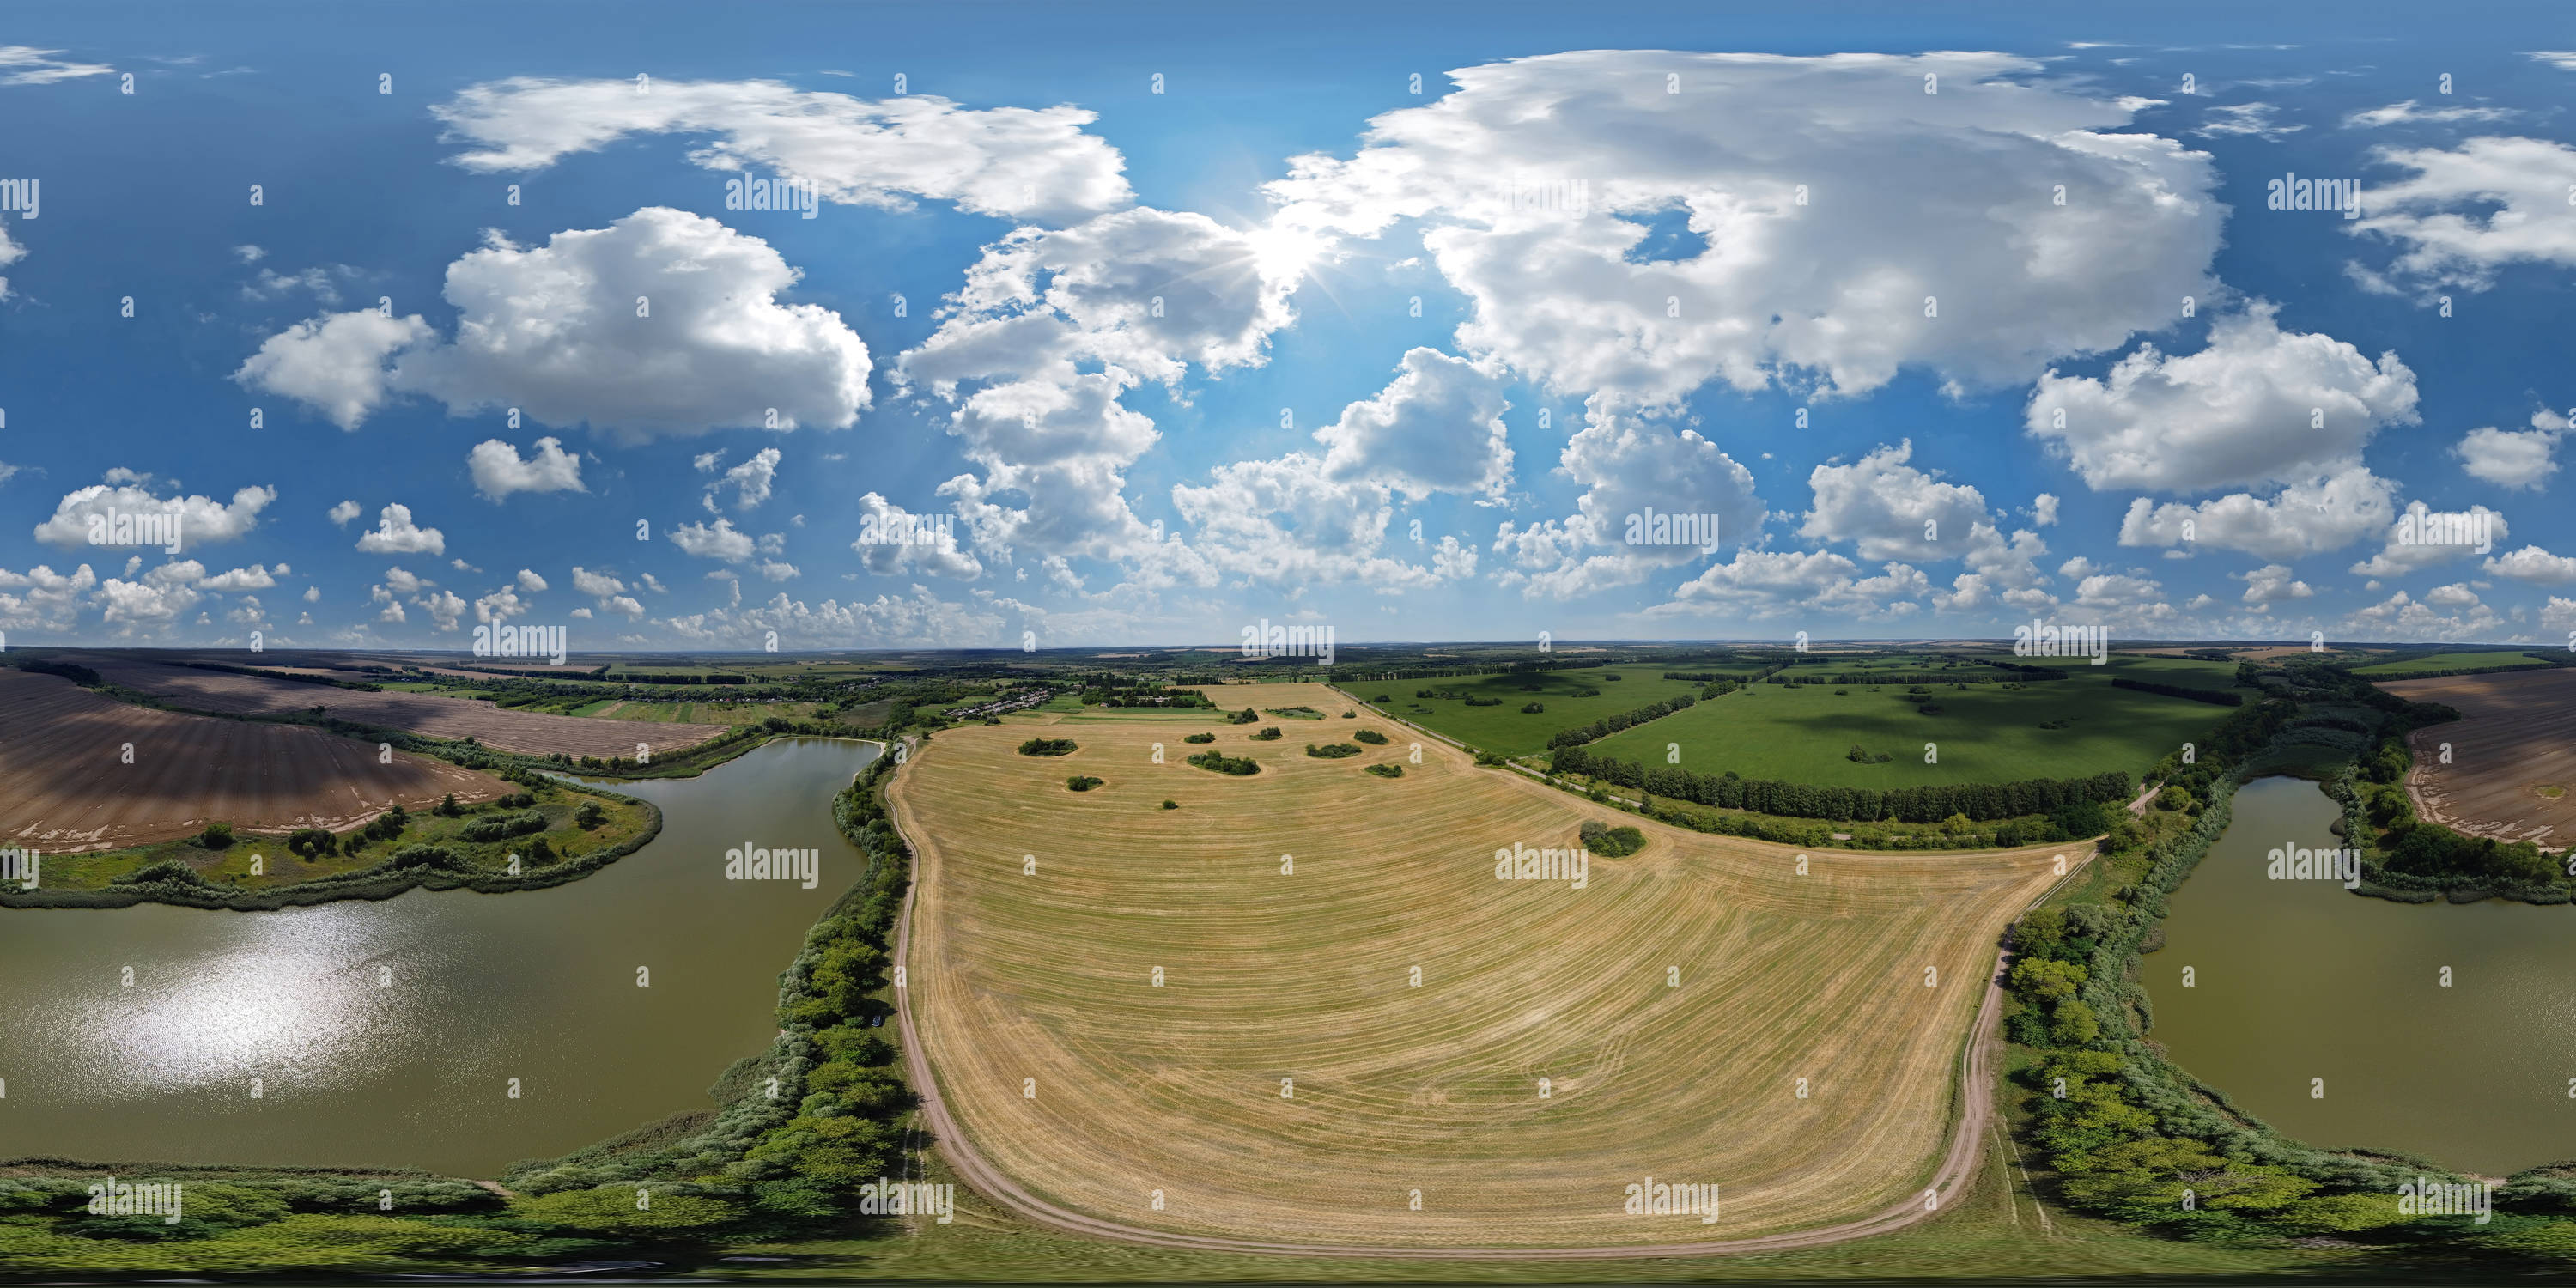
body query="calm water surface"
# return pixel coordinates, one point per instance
(539, 986)
(2297, 980)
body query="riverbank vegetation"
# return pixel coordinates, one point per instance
(548, 833)
(2117, 1131)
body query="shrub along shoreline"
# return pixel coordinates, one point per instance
(410, 868)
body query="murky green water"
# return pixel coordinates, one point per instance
(2299, 980)
(387, 1034)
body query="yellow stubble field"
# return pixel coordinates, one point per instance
(1290, 1079)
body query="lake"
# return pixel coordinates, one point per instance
(2296, 980)
(387, 1034)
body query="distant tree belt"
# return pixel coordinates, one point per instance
(2215, 697)
(1347, 675)
(644, 678)
(1979, 801)
(288, 676)
(1918, 677)
(1608, 725)
(80, 675)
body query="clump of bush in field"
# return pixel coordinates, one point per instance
(311, 843)
(1047, 747)
(1381, 698)
(1533, 708)
(1387, 771)
(1587, 693)
(1171, 804)
(1475, 701)
(1267, 733)
(1370, 736)
(1247, 716)
(1862, 755)
(1611, 842)
(217, 836)
(386, 826)
(1081, 782)
(517, 800)
(1333, 750)
(428, 856)
(590, 815)
(501, 827)
(170, 871)
(447, 807)
(1350, 715)
(1200, 737)
(1295, 713)
(1614, 677)
(1239, 766)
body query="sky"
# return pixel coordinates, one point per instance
(1122, 324)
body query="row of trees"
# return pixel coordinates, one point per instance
(1975, 801)
(1608, 725)
(2215, 697)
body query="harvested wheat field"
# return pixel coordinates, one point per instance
(436, 716)
(1290, 1081)
(64, 785)
(2513, 754)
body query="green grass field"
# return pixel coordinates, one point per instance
(1986, 733)
(2483, 661)
(1506, 728)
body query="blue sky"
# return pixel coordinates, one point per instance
(1169, 363)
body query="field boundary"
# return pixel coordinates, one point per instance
(1957, 1165)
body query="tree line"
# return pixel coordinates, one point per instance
(1608, 725)
(1977, 801)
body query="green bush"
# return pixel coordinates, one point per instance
(1171, 804)
(1239, 766)
(217, 836)
(1333, 750)
(1267, 733)
(1200, 737)
(429, 856)
(1611, 842)
(1387, 771)
(1082, 782)
(590, 815)
(311, 842)
(501, 827)
(1533, 708)
(1047, 747)
(170, 871)
(1370, 736)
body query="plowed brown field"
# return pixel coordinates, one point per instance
(64, 785)
(430, 714)
(2514, 746)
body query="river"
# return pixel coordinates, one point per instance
(2299, 980)
(387, 1034)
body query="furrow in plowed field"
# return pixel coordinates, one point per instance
(430, 714)
(2513, 754)
(65, 784)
